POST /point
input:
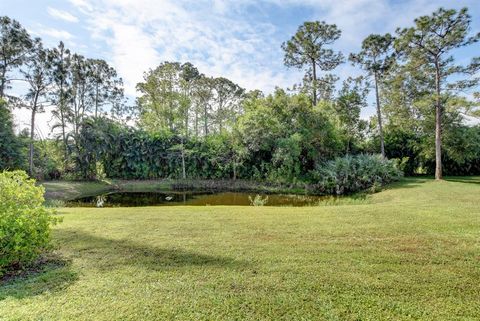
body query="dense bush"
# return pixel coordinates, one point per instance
(352, 174)
(280, 155)
(48, 160)
(402, 144)
(12, 155)
(461, 152)
(130, 153)
(24, 221)
(285, 137)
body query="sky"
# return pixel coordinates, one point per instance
(236, 39)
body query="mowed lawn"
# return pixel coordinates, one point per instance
(411, 252)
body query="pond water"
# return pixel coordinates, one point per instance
(173, 198)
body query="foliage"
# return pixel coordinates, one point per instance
(403, 144)
(285, 137)
(177, 98)
(128, 153)
(461, 153)
(286, 159)
(345, 112)
(37, 73)
(24, 221)
(310, 47)
(376, 58)
(429, 45)
(15, 42)
(350, 174)
(12, 155)
(411, 127)
(76, 87)
(258, 148)
(48, 160)
(191, 126)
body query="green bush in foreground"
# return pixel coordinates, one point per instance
(351, 174)
(24, 221)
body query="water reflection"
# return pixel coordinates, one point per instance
(192, 198)
(100, 200)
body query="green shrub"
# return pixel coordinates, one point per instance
(12, 155)
(350, 174)
(24, 222)
(48, 159)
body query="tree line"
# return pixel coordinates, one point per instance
(187, 124)
(72, 85)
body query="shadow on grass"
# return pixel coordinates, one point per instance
(54, 274)
(464, 179)
(49, 274)
(407, 182)
(106, 254)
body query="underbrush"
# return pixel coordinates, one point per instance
(351, 174)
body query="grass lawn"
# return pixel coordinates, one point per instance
(411, 252)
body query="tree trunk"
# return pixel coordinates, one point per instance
(187, 113)
(96, 100)
(3, 81)
(184, 175)
(438, 125)
(205, 121)
(220, 115)
(234, 169)
(196, 120)
(62, 119)
(186, 124)
(75, 113)
(64, 135)
(314, 82)
(32, 134)
(379, 115)
(170, 107)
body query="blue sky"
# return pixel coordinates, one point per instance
(237, 39)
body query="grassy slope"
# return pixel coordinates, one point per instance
(411, 253)
(65, 190)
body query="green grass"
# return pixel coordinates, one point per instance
(412, 252)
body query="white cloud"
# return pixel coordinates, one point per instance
(81, 4)
(218, 37)
(43, 121)
(57, 34)
(62, 15)
(132, 63)
(143, 33)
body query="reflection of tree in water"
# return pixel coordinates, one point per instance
(198, 198)
(100, 200)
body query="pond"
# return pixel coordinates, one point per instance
(131, 199)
